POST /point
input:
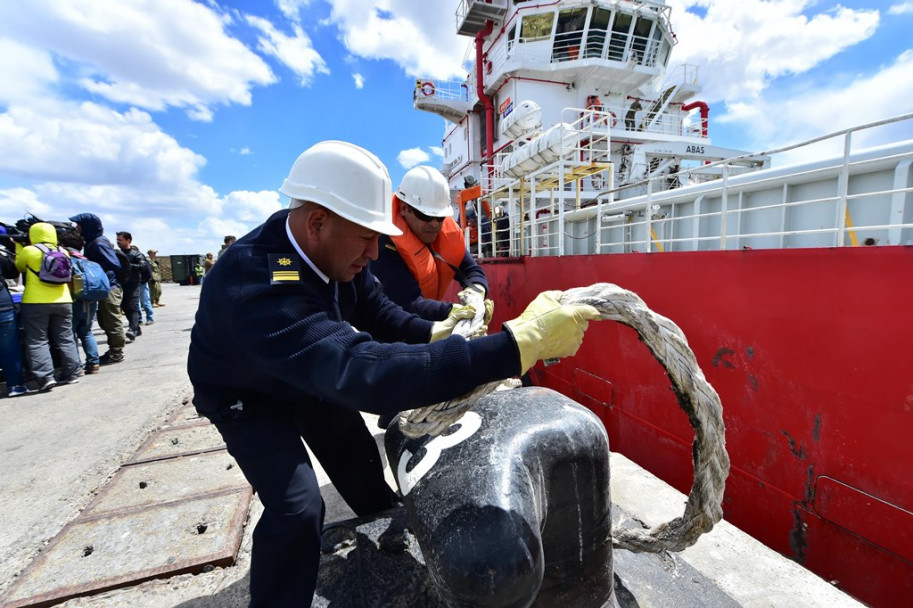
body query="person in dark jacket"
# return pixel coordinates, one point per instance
(99, 249)
(417, 267)
(130, 302)
(10, 339)
(294, 337)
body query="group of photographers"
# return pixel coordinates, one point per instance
(50, 318)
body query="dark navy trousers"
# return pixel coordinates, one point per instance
(268, 448)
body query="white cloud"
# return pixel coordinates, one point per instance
(88, 142)
(295, 51)
(292, 8)
(412, 157)
(25, 73)
(901, 9)
(244, 151)
(151, 54)
(16, 202)
(842, 105)
(359, 81)
(742, 46)
(437, 151)
(420, 40)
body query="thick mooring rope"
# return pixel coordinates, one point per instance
(695, 396)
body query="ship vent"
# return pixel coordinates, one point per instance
(471, 15)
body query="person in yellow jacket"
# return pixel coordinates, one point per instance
(46, 312)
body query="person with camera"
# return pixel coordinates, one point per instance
(294, 337)
(10, 340)
(99, 249)
(46, 310)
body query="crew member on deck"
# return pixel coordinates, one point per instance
(294, 336)
(417, 267)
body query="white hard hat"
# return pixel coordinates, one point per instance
(347, 180)
(425, 189)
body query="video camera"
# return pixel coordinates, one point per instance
(19, 232)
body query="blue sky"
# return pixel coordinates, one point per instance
(176, 120)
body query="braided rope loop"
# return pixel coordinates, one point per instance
(697, 399)
(695, 396)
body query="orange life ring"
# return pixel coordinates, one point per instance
(427, 89)
(614, 119)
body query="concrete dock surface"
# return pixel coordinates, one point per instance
(72, 458)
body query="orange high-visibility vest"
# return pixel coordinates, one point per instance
(432, 273)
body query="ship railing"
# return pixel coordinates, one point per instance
(862, 197)
(683, 74)
(857, 198)
(447, 90)
(577, 44)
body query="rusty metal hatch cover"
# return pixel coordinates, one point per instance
(179, 440)
(96, 554)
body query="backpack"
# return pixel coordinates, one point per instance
(56, 267)
(90, 282)
(145, 273)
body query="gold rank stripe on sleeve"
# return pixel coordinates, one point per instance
(284, 268)
(286, 275)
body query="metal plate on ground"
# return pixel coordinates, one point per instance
(163, 481)
(179, 440)
(96, 554)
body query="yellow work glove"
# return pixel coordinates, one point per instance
(548, 329)
(443, 329)
(467, 294)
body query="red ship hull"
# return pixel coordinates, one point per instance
(810, 351)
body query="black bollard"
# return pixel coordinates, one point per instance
(511, 505)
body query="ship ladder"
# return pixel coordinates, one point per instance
(696, 397)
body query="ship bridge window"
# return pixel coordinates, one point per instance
(640, 40)
(569, 34)
(536, 27)
(619, 40)
(596, 35)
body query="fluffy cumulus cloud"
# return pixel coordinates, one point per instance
(421, 40)
(831, 108)
(902, 8)
(82, 142)
(359, 81)
(295, 51)
(152, 54)
(742, 46)
(412, 157)
(25, 73)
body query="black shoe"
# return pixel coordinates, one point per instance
(111, 357)
(47, 385)
(130, 336)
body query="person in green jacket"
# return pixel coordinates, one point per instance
(155, 283)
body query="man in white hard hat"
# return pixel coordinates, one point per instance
(294, 337)
(417, 267)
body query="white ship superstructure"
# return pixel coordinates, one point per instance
(571, 122)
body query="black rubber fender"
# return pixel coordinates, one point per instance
(511, 505)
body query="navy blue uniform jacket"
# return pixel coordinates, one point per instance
(288, 344)
(402, 287)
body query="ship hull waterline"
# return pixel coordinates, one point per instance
(809, 351)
